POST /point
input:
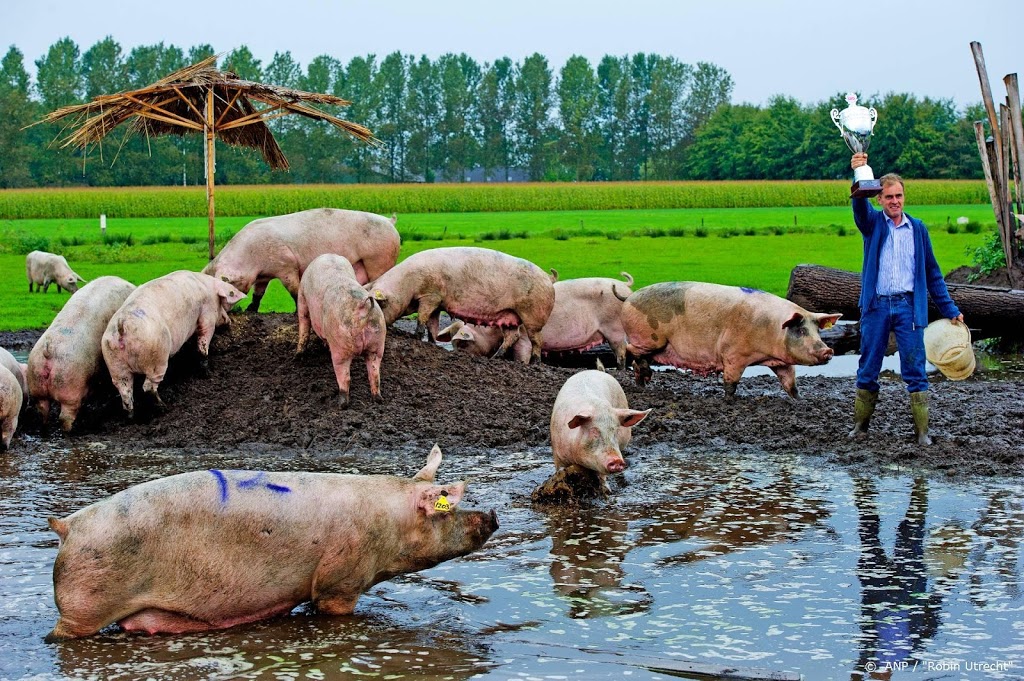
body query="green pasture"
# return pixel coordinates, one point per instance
(755, 247)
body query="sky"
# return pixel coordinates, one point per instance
(811, 50)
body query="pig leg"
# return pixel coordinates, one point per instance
(43, 406)
(787, 377)
(536, 342)
(373, 375)
(68, 413)
(124, 380)
(342, 371)
(258, 291)
(362, 276)
(509, 337)
(428, 316)
(291, 282)
(302, 311)
(731, 377)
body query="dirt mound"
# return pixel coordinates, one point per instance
(258, 395)
(966, 274)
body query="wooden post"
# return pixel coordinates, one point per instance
(1017, 130)
(211, 164)
(986, 95)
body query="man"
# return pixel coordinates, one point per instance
(898, 275)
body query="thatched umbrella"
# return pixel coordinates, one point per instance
(201, 99)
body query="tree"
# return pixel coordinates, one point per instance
(496, 103)
(710, 88)
(425, 114)
(459, 77)
(359, 88)
(59, 75)
(103, 69)
(146, 64)
(532, 115)
(18, 111)
(393, 129)
(577, 111)
(669, 82)
(613, 87)
(242, 62)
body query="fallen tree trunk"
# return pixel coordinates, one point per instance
(988, 310)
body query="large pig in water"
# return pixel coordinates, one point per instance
(11, 401)
(282, 247)
(711, 328)
(478, 285)
(67, 357)
(155, 321)
(590, 423)
(587, 312)
(213, 549)
(345, 316)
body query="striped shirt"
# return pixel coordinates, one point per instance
(896, 261)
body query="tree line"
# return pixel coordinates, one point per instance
(634, 117)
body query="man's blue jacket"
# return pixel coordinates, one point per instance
(927, 275)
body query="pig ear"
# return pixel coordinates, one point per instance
(580, 419)
(796, 320)
(380, 296)
(445, 334)
(630, 417)
(427, 498)
(465, 333)
(426, 474)
(827, 321)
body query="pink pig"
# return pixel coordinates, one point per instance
(11, 401)
(283, 246)
(587, 312)
(67, 357)
(155, 321)
(479, 285)
(214, 549)
(711, 328)
(590, 423)
(345, 316)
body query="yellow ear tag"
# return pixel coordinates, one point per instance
(378, 294)
(828, 325)
(442, 505)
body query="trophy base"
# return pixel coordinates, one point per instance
(865, 189)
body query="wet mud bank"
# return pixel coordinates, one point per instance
(259, 396)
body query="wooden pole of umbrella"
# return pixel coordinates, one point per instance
(201, 99)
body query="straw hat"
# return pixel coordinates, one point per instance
(947, 345)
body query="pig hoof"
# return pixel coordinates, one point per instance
(343, 401)
(378, 398)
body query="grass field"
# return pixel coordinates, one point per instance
(755, 247)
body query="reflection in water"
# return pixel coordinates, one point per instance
(1000, 528)
(898, 614)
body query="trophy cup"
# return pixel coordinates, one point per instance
(855, 123)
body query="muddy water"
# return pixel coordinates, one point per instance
(699, 560)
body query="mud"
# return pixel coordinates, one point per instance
(259, 396)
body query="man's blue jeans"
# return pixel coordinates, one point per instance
(891, 313)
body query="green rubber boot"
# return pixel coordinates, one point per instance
(919, 409)
(863, 408)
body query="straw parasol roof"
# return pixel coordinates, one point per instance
(201, 99)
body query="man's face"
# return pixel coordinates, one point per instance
(891, 199)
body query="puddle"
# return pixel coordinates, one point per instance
(698, 560)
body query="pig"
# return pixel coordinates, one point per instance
(710, 328)
(44, 268)
(155, 321)
(11, 401)
(67, 358)
(591, 422)
(283, 246)
(214, 549)
(343, 314)
(587, 312)
(478, 285)
(17, 370)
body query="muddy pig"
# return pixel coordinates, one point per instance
(478, 285)
(213, 549)
(11, 401)
(281, 247)
(17, 369)
(587, 312)
(710, 328)
(67, 357)
(43, 269)
(590, 423)
(343, 314)
(155, 321)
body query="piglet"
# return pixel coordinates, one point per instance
(345, 316)
(591, 422)
(155, 321)
(218, 548)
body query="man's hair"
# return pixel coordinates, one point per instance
(891, 178)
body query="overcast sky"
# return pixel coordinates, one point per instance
(806, 49)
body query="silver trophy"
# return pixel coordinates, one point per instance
(855, 123)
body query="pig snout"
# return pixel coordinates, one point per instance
(824, 354)
(615, 464)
